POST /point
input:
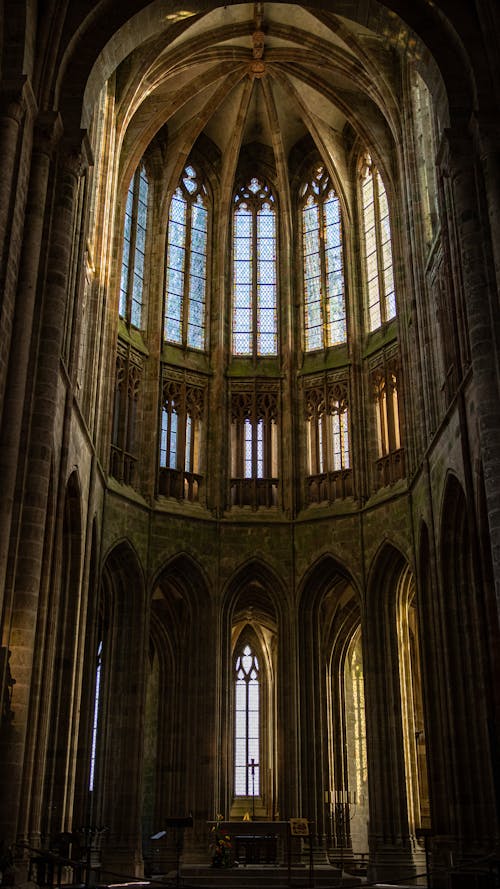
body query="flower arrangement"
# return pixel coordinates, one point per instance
(221, 845)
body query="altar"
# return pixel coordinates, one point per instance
(257, 842)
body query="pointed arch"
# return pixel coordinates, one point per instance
(322, 227)
(62, 651)
(254, 296)
(180, 702)
(253, 614)
(329, 617)
(389, 582)
(133, 266)
(188, 261)
(91, 699)
(438, 45)
(466, 723)
(121, 646)
(184, 572)
(255, 578)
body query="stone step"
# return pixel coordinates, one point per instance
(259, 877)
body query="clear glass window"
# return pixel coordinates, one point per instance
(323, 270)
(379, 272)
(134, 249)
(186, 264)
(247, 724)
(254, 295)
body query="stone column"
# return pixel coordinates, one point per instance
(14, 97)
(487, 139)
(47, 132)
(17, 111)
(482, 313)
(389, 835)
(20, 619)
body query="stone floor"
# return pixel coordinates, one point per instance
(259, 877)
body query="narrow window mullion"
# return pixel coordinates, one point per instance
(326, 430)
(378, 244)
(247, 723)
(392, 412)
(125, 404)
(169, 435)
(267, 447)
(254, 436)
(254, 259)
(322, 259)
(187, 270)
(316, 438)
(181, 430)
(240, 449)
(247, 736)
(384, 419)
(133, 240)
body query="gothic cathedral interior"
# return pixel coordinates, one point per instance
(250, 430)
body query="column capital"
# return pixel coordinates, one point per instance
(485, 129)
(76, 155)
(48, 131)
(456, 150)
(17, 97)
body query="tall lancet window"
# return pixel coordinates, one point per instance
(379, 271)
(134, 249)
(329, 476)
(254, 444)
(95, 720)
(254, 324)
(247, 724)
(186, 276)
(390, 464)
(180, 439)
(324, 296)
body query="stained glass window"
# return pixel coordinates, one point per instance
(254, 316)
(247, 724)
(134, 248)
(381, 293)
(186, 273)
(323, 271)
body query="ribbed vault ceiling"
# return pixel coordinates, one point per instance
(265, 75)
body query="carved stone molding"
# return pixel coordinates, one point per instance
(76, 158)
(17, 98)
(48, 131)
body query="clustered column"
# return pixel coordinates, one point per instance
(23, 612)
(481, 307)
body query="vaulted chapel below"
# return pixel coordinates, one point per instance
(250, 442)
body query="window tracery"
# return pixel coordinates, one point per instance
(134, 249)
(247, 724)
(96, 714)
(183, 405)
(254, 445)
(129, 369)
(329, 475)
(323, 268)
(379, 272)
(358, 696)
(254, 295)
(385, 378)
(186, 264)
(425, 150)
